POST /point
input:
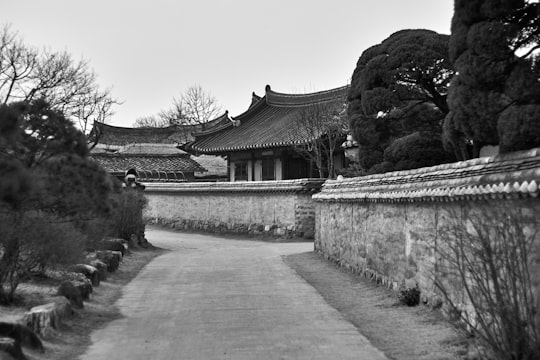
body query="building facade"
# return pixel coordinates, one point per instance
(263, 142)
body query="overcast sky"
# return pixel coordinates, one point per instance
(150, 51)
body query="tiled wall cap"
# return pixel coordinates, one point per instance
(298, 185)
(510, 175)
(470, 192)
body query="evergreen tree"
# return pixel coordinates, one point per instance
(41, 150)
(14, 182)
(495, 98)
(399, 88)
(49, 187)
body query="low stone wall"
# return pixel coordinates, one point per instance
(278, 208)
(388, 226)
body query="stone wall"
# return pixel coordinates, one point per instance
(390, 227)
(277, 208)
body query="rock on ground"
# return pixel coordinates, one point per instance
(68, 290)
(22, 334)
(89, 271)
(43, 318)
(10, 348)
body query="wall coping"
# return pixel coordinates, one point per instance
(509, 175)
(278, 186)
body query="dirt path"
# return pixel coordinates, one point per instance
(215, 298)
(401, 332)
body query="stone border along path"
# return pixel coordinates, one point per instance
(401, 332)
(215, 298)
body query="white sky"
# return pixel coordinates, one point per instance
(150, 51)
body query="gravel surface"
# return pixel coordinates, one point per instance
(401, 332)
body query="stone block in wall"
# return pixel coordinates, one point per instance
(178, 225)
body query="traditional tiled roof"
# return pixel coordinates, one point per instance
(215, 165)
(175, 134)
(151, 149)
(266, 124)
(114, 135)
(119, 163)
(254, 99)
(512, 175)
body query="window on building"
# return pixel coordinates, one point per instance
(296, 168)
(268, 169)
(240, 171)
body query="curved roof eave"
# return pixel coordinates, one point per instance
(275, 98)
(221, 150)
(215, 128)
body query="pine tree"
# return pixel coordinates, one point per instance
(398, 89)
(495, 98)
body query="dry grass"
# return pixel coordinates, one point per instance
(74, 337)
(401, 332)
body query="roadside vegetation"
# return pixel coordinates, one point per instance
(57, 205)
(487, 271)
(55, 201)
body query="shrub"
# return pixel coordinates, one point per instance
(128, 213)
(409, 296)
(489, 254)
(33, 241)
(47, 241)
(96, 230)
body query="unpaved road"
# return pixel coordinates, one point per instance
(216, 298)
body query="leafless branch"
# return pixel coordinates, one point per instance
(196, 105)
(67, 85)
(324, 126)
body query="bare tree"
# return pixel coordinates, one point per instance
(174, 115)
(18, 64)
(69, 86)
(487, 254)
(325, 126)
(151, 121)
(196, 106)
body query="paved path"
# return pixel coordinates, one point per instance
(215, 298)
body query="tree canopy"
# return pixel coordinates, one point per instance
(399, 88)
(45, 165)
(495, 97)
